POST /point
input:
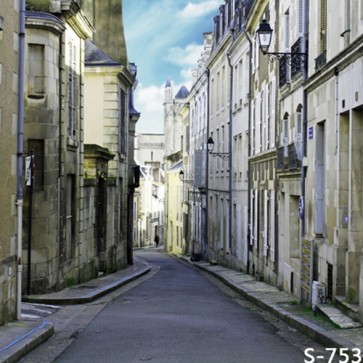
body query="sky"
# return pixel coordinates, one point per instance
(164, 38)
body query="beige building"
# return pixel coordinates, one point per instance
(173, 210)
(9, 113)
(333, 205)
(107, 125)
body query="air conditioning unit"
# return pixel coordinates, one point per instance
(318, 294)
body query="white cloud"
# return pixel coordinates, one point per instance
(193, 10)
(149, 101)
(187, 56)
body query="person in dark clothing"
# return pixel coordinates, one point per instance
(156, 240)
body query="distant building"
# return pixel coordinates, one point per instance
(150, 196)
(174, 131)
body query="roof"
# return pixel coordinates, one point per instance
(182, 93)
(168, 83)
(177, 166)
(95, 57)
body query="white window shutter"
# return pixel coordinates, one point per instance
(255, 222)
(298, 132)
(252, 215)
(300, 20)
(265, 222)
(272, 226)
(272, 113)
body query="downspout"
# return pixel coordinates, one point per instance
(249, 146)
(207, 171)
(20, 150)
(230, 149)
(305, 111)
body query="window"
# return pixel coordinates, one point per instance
(285, 130)
(323, 25)
(72, 91)
(36, 72)
(320, 170)
(37, 147)
(300, 17)
(298, 124)
(123, 123)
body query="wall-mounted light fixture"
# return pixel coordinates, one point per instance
(264, 33)
(210, 146)
(181, 177)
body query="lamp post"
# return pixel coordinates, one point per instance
(210, 146)
(264, 33)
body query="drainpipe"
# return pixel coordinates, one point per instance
(305, 111)
(230, 149)
(20, 150)
(206, 243)
(249, 146)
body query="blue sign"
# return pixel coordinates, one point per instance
(311, 133)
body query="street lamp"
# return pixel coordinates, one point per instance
(264, 33)
(210, 146)
(181, 177)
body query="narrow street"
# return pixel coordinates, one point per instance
(175, 315)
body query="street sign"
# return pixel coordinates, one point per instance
(301, 207)
(29, 170)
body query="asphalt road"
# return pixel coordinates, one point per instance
(178, 315)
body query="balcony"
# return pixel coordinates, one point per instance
(320, 61)
(287, 158)
(296, 60)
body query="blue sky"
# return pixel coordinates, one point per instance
(165, 39)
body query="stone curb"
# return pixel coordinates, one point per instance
(310, 329)
(26, 343)
(90, 297)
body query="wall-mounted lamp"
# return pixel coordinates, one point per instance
(181, 177)
(210, 146)
(264, 33)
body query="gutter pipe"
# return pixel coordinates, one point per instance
(20, 151)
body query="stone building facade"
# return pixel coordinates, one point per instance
(79, 210)
(9, 113)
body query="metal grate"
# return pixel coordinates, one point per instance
(329, 293)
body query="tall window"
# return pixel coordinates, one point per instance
(298, 124)
(320, 169)
(36, 73)
(323, 25)
(300, 17)
(285, 130)
(37, 147)
(72, 91)
(123, 123)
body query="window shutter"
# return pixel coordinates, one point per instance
(252, 215)
(298, 126)
(265, 222)
(272, 114)
(272, 225)
(300, 20)
(323, 25)
(287, 32)
(255, 222)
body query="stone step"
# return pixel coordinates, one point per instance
(337, 317)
